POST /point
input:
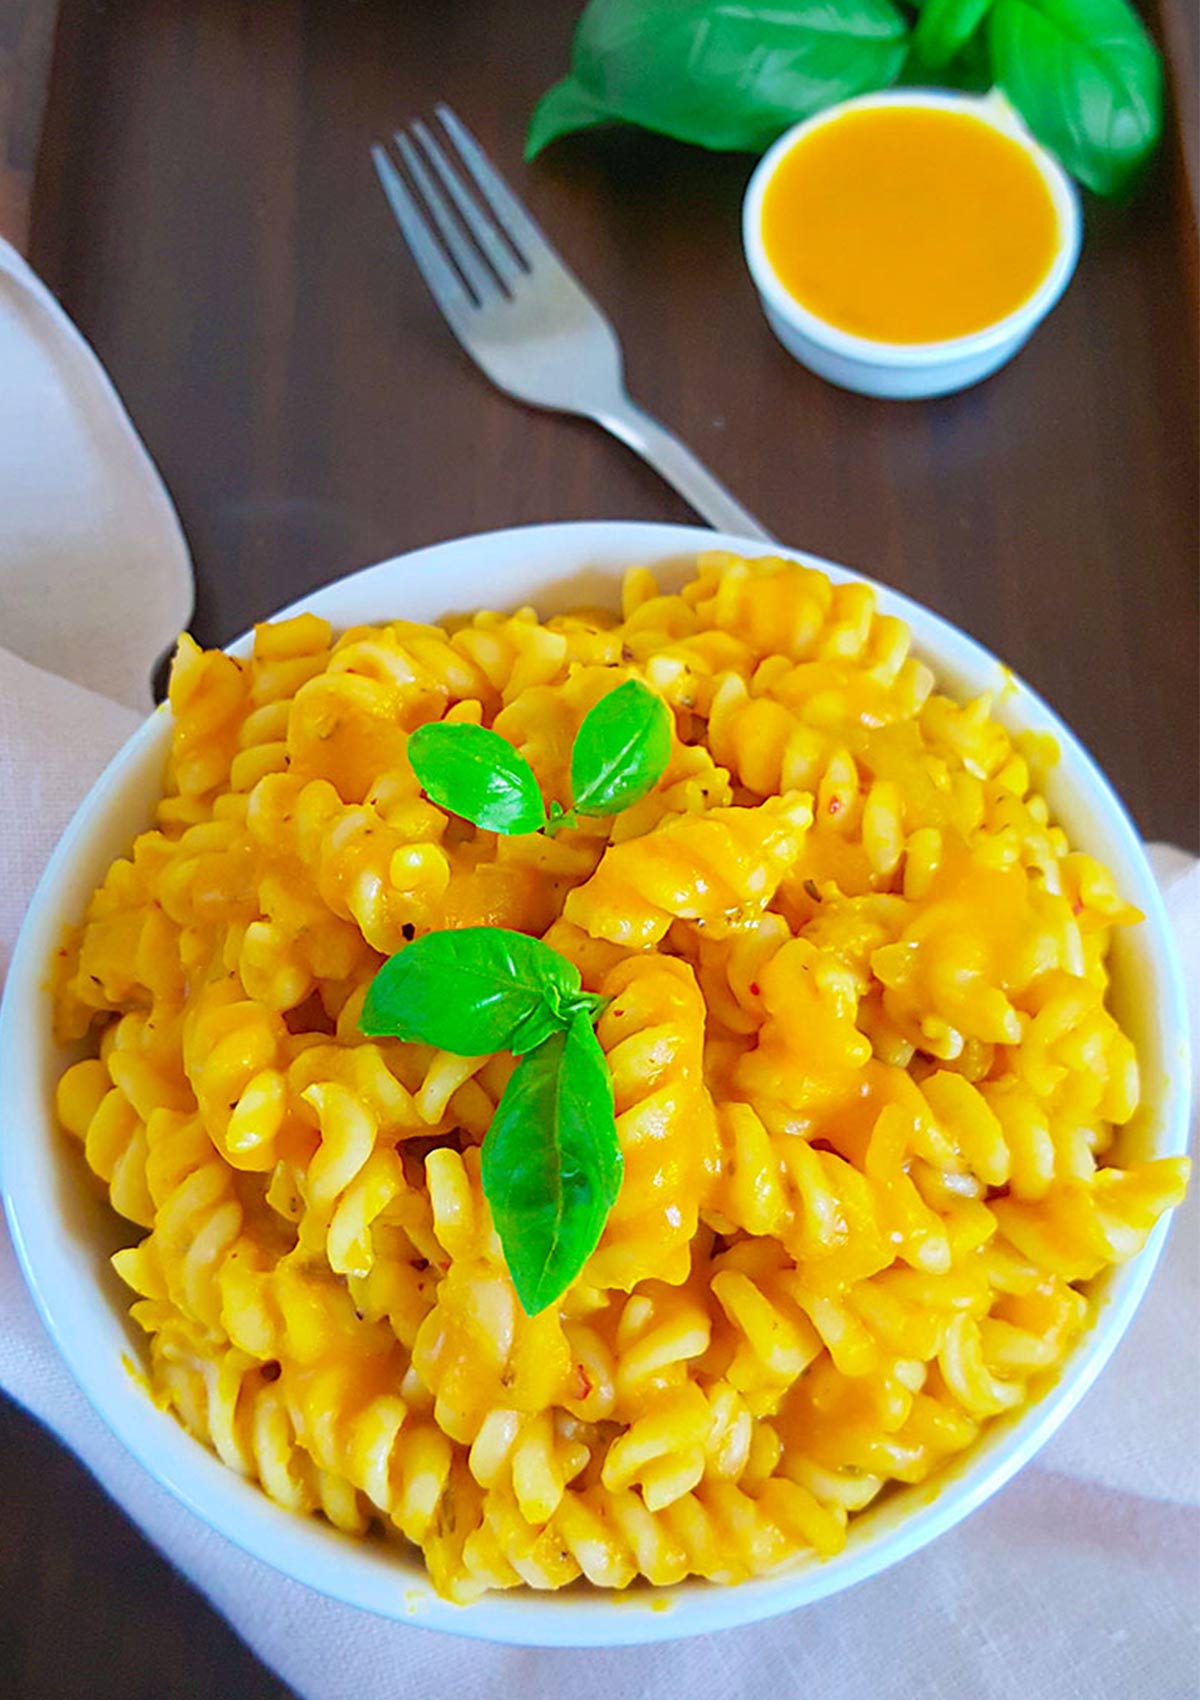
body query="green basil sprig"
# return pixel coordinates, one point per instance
(1083, 74)
(552, 1162)
(619, 753)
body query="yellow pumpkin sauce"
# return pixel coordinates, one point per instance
(909, 224)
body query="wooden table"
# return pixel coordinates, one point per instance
(204, 207)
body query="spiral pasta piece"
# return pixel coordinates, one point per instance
(113, 1135)
(476, 1349)
(653, 1035)
(207, 693)
(762, 742)
(712, 869)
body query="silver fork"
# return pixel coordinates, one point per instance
(520, 313)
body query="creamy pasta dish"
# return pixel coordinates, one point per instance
(805, 1161)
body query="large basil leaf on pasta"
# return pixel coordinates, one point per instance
(475, 990)
(552, 1164)
(620, 750)
(476, 773)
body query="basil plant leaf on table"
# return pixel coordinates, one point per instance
(734, 74)
(943, 30)
(1087, 80)
(722, 75)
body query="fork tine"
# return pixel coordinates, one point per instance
(522, 232)
(476, 220)
(443, 281)
(479, 280)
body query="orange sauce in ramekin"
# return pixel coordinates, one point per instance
(909, 224)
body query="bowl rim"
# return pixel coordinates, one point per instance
(367, 1574)
(991, 109)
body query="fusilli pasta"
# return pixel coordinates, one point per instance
(867, 1085)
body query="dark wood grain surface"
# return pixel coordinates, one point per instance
(26, 42)
(204, 207)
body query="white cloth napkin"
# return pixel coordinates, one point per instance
(1080, 1581)
(96, 580)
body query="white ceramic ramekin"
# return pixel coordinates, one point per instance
(909, 370)
(64, 1232)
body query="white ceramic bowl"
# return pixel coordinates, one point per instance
(64, 1233)
(909, 370)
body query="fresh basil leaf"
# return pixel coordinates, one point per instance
(476, 773)
(720, 74)
(620, 750)
(943, 30)
(552, 1164)
(969, 69)
(562, 109)
(1087, 80)
(472, 991)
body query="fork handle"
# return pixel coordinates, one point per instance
(675, 462)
